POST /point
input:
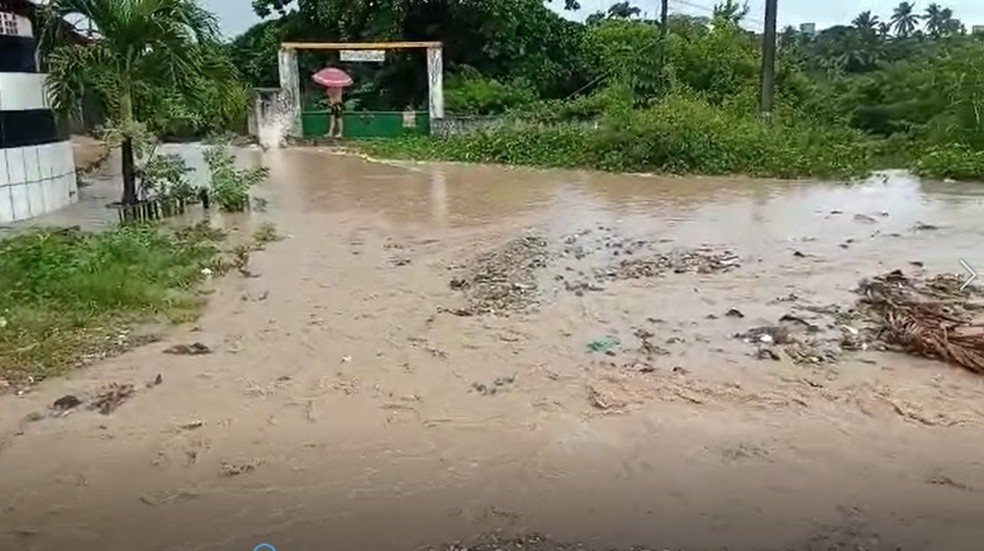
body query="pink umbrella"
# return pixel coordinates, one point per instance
(330, 77)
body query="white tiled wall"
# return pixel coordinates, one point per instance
(35, 180)
(23, 91)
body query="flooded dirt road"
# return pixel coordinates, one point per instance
(438, 352)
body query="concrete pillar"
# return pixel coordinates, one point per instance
(435, 83)
(290, 89)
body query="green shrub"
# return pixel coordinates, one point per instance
(166, 175)
(470, 93)
(954, 161)
(680, 134)
(231, 185)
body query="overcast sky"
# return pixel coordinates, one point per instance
(235, 16)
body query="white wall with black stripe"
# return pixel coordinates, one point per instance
(37, 167)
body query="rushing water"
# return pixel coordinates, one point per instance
(344, 403)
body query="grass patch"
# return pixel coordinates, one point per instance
(66, 294)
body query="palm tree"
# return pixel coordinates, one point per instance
(623, 10)
(903, 19)
(146, 54)
(933, 19)
(949, 24)
(866, 23)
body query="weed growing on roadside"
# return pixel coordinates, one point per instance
(65, 293)
(231, 185)
(680, 134)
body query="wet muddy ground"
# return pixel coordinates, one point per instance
(449, 357)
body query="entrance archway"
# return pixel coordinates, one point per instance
(367, 123)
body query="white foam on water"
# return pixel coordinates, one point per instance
(271, 130)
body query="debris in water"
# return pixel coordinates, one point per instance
(111, 397)
(700, 261)
(734, 313)
(765, 353)
(67, 402)
(926, 317)
(602, 402)
(864, 218)
(801, 340)
(925, 227)
(194, 349)
(236, 469)
(498, 385)
(602, 344)
(503, 280)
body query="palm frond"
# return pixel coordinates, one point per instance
(77, 70)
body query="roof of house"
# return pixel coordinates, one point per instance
(29, 9)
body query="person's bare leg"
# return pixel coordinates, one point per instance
(331, 127)
(339, 126)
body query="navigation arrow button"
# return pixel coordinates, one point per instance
(973, 274)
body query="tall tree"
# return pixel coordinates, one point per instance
(904, 20)
(730, 11)
(148, 53)
(866, 23)
(623, 10)
(950, 25)
(933, 20)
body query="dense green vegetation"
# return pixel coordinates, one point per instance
(612, 93)
(67, 293)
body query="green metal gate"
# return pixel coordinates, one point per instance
(366, 124)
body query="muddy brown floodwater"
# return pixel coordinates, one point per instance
(440, 352)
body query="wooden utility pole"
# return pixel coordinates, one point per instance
(766, 95)
(664, 9)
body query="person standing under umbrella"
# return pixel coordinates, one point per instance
(335, 108)
(334, 80)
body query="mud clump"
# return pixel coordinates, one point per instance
(193, 349)
(111, 397)
(503, 280)
(67, 402)
(928, 317)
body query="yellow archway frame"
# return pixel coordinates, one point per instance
(290, 80)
